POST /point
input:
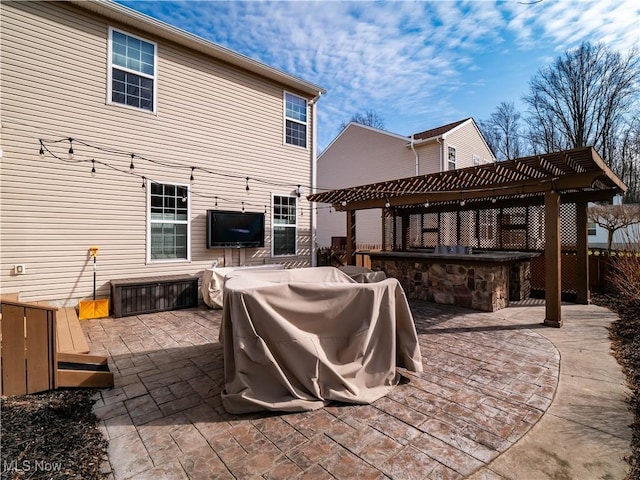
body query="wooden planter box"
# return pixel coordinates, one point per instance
(134, 296)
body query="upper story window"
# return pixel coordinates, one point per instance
(132, 71)
(295, 113)
(285, 225)
(451, 158)
(168, 222)
(591, 228)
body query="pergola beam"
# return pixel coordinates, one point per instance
(532, 186)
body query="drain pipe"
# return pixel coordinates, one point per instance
(314, 173)
(416, 155)
(440, 153)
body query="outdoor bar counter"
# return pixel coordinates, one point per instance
(482, 280)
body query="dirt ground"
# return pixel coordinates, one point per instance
(54, 434)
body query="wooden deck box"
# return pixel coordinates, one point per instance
(133, 296)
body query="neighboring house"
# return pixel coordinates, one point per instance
(361, 155)
(202, 126)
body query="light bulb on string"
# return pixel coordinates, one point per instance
(131, 167)
(242, 207)
(493, 200)
(216, 204)
(387, 203)
(93, 168)
(70, 148)
(462, 203)
(41, 150)
(144, 183)
(184, 194)
(247, 185)
(426, 203)
(191, 179)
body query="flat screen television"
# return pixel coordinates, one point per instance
(227, 229)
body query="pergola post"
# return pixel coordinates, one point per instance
(552, 259)
(583, 295)
(351, 237)
(405, 232)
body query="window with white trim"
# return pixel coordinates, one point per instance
(295, 127)
(168, 222)
(285, 225)
(591, 228)
(451, 158)
(132, 71)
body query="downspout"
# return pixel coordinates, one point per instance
(314, 172)
(416, 155)
(440, 150)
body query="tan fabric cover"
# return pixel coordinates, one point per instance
(297, 339)
(213, 282)
(362, 274)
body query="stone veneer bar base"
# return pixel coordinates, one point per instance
(477, 282)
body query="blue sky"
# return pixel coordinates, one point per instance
(418, 64)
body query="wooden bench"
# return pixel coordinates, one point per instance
(70, 337)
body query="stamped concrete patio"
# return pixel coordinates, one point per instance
(477, 411)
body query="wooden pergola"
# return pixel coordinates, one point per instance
(575, 176)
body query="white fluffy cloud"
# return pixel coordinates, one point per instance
(417, 64)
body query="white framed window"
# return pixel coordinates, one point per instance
(132, 71)
(284, 225)
(295, 120)
(451, 158)
(476, 160)
(591, 228)
(168, 223)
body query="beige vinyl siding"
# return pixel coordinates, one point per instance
(429, 155)
(467, 143)
(209, 115)
(359, 156)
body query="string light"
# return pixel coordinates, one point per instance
(463, 203)
(144, 183)
(216, 204)
(93, 168)
(387, 203)
(242, 207)
(113, 151)
(191, 179)
(493, 200)
(131, 167)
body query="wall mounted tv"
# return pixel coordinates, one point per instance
(234, 229)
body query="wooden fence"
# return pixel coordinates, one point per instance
(27, 349)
